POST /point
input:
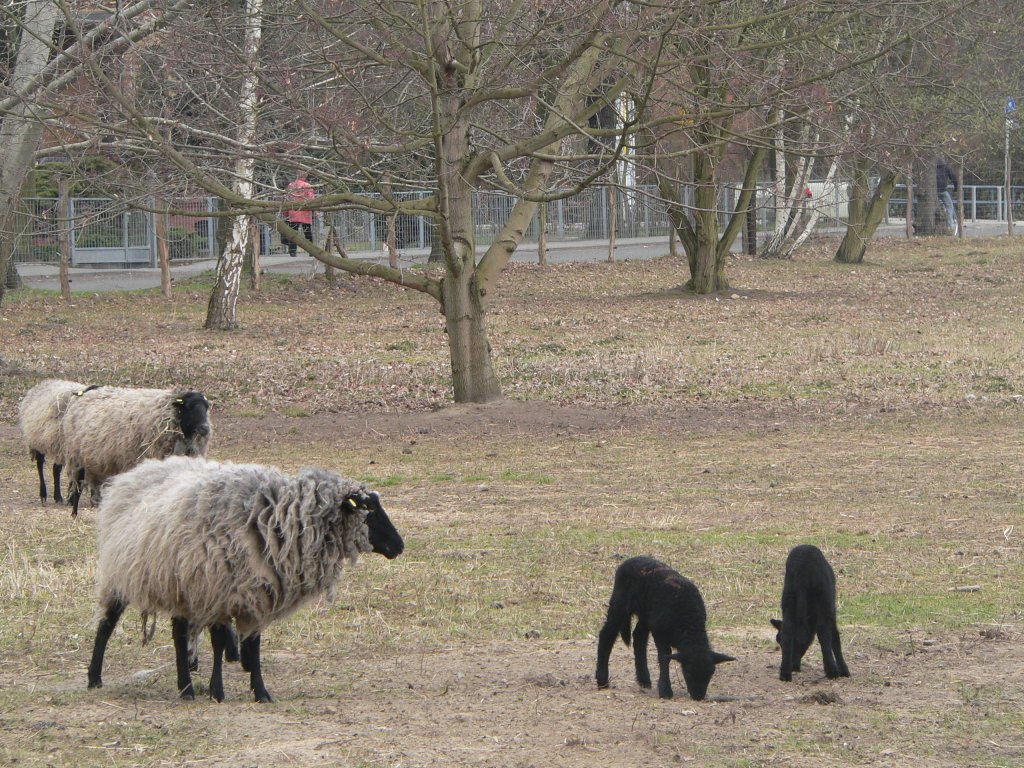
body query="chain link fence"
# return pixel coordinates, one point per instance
(104, 232)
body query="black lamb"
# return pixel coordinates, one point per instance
(809, 608)
(670, 607)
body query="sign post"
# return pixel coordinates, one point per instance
(1011, 105)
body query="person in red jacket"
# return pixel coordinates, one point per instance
(300, 191)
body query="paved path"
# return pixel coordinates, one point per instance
(45, 276)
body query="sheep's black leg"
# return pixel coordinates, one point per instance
(99, 648)
(788, 644)
(605, 642)
(218, 633)
(76, 494)
(800, 647)
(837, 649)
(231, 644)
(640, 636)
(251, 655)
(831, 652)
(664, 660)
(824, 632)
(179, 631)
(40, 459)
(57, 496)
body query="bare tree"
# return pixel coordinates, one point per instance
(21, 129)
(42, 71)
(447, 96)
(220, 313)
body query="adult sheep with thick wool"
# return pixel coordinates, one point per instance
(39, 415)
(209, 542)
(111, 429)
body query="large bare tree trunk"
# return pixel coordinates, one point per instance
(864, 216)
(221, 314)
(473, 377)
(21, 129)
(928, 217)
(707, 271)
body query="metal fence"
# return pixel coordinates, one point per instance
(981, 202)
(105, 233)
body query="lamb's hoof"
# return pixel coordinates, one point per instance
(664, 693)
(97, 683)
(785, 677)
(188, 693)
(262, 697)
(217, 695)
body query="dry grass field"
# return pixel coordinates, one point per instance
(875, 410)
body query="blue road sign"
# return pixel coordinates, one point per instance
(1010, 105)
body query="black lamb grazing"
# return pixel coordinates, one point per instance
(670, 607)
(809, 608)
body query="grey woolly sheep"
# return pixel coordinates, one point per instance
(809, 609)
(39, 415)
(209, 543)
(111, 429)
(668, 606)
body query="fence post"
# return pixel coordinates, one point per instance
(423, 225)
(72, 223)
(154, 255)
(211, 234)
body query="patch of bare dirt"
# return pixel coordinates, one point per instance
(534, 703)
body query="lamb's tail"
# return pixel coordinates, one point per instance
(625, 630)
(147, 633)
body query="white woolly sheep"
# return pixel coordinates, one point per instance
(39, 416)
(111, 429)
(209, 543)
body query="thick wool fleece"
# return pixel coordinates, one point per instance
(211, 542)
(40, 413)
(111, 429)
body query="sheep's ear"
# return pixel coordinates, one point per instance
(721, 658)
(777, 623)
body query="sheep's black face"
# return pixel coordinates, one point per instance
(802, 641)
(698, 669)
(697, 673)
(193, 415)
(384, 537)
